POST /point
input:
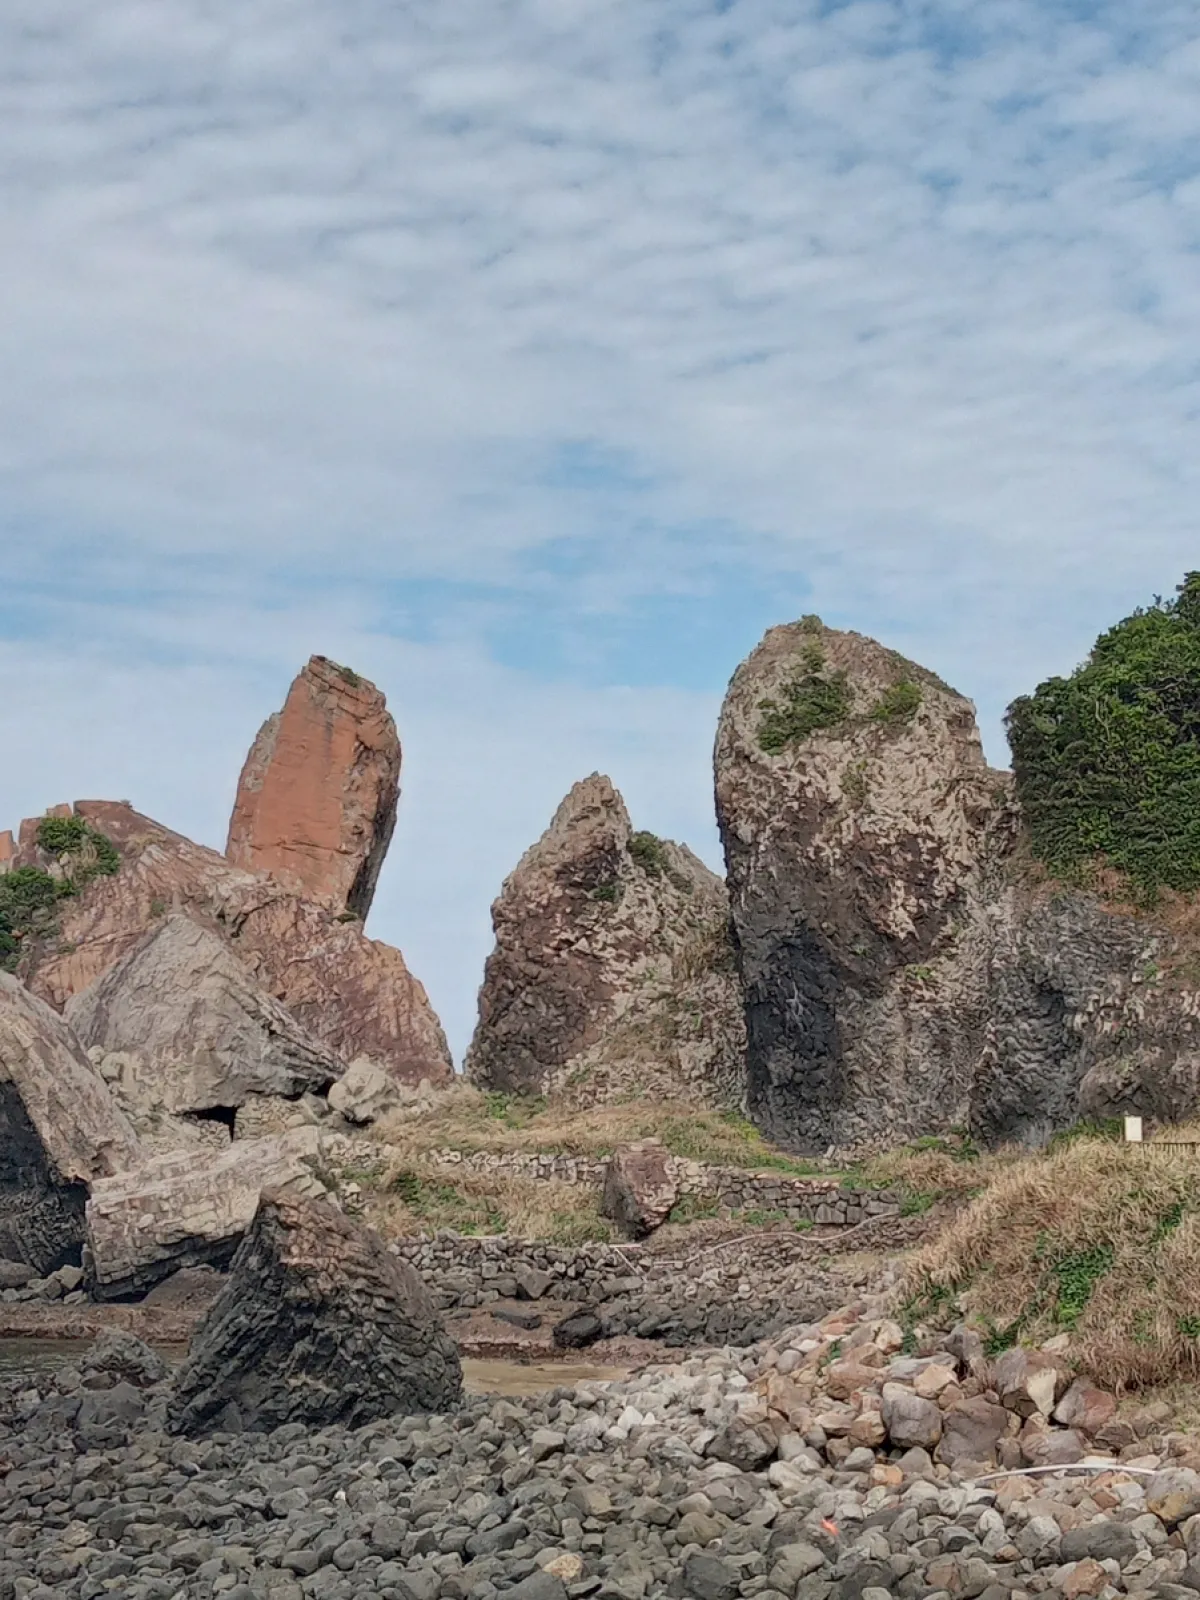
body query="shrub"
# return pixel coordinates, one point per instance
(815, 698)
(898, 703)
(28, 897)
(1107, 761)
(648, 850)
(83, 851)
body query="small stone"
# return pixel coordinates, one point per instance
(909, 1419)
(792, 1562)
(1174, 1496)
(568, 1566)
(1087, 1577)
(545, 1442)
(709, 1578)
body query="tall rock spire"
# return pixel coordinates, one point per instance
(316, 801)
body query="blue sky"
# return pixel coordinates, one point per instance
(534, 356)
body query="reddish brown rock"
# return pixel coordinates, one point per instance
(613, 972)
(316, 803)
(353, 994)
(1086, 1407)
(639, 1188)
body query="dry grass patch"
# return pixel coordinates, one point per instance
(465, 1119)
(1098, 1238)
(411, 1198)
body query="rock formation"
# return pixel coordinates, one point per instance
(612, 969)
(640, 1188)
(59, 1132)
(907, 968)
(187, 1207)
(193, 1030)
(316, 804)
(856, 810)
(353, 995)
(318, 1324)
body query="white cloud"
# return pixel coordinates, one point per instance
(897, 303)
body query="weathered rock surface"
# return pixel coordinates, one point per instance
(188, 1207)
(856, 860)
(60, 1131)
(193, 1029)
(640, 1188)
(353, 995)
(906, 970)
(612, 969)
(318, 1324)
(316, 802)
(363, 1093)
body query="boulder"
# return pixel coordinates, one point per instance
(856, 811)
(16, 1274)
(316, 801)
(194, 1031)
(318, 1324)
(187, 1207)
(908, 1419)
(364, 1093)
(577, 1331)
(1086, 1407)
(353, 995)
(119, 1357)
(613, 971)
(1028, 1382)
(971, 1431)
(747, 1445)
(640, 1187)
(60, 1132)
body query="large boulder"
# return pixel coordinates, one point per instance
(613, 970)
(353, 995)
(188, 1207)
(318, 1324)
(640, 1187)
(316, 802)
(60, 1132)
(856, 812)
(193, 1030)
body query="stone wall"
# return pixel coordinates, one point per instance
(463, 1271)
(821, 1201)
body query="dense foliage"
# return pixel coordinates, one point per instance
(29, 895)
(1107, 761)
(815, 698)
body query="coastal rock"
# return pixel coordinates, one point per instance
(612, 970)
(316, 802)
(856, 811)
(193, 1029)
(640, 1188)
(318, 1324)
(188, 1207)
(353, 995)
(60, 1132)
(363, 1093)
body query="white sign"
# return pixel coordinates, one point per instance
(1133, 1130)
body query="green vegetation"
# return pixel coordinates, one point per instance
(1107, 761)
(816, 698)
(347, 675)
(445, 1206)
(29, 896)
(694, 1208)
(897, 704)
(607, 893)
(648, 850)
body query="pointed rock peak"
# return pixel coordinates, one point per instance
(316, 802)
(591, 805)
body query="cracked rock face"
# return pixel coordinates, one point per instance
(197, 1033)
(354, 996)
(316, 802)
(857, 859)
(60, 1132)
(612, 970)
(318, 1324)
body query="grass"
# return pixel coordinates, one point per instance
(414, 1198)
(464, 1119)
(1093, 1237)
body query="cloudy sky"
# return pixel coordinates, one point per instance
(534, 356)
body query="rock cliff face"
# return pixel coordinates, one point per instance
(906, 968)
(351, 994)
(612, 971)
(59, 1132)
(316, 803)
(195, 1031)
(855, 808)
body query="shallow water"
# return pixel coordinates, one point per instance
(22, 1357)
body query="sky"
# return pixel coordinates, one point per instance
(534, 356)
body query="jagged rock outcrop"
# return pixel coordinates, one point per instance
(193, 1030)
(185, 1208)
(612, 969)
(640, 1188)
(354, 995)
(907, 967)
(316, 802)
(318, 1324)
(60, 1132)
(858, 817)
